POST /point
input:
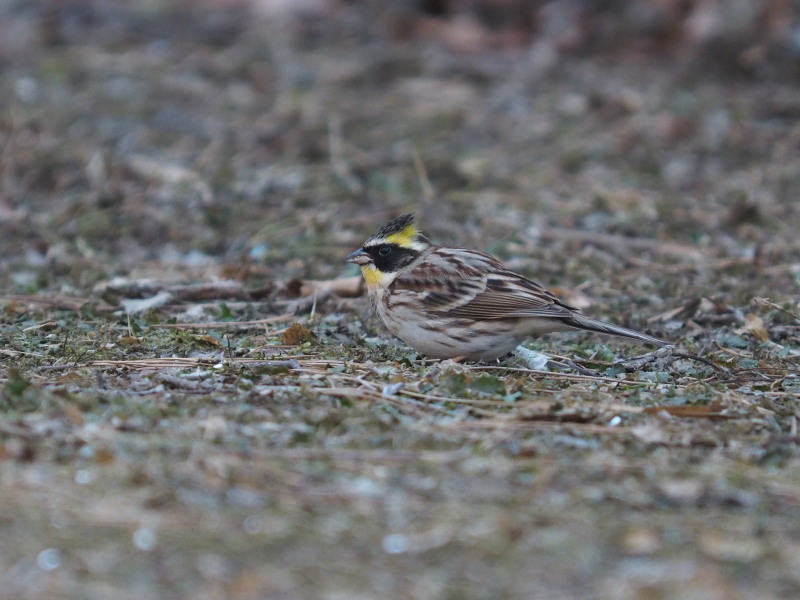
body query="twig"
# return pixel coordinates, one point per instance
(705, 361)
(9, 352)
(178, 382)
(509, 424)
(153, 363)
(54, 302)
(289, 363)
(465, 401)
(769, 304)
(39, 325)
(361, 456)
(571, 376)
(61, 367)
(227, 324)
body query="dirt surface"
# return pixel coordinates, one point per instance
(195, 400)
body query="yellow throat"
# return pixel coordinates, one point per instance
(374, 277)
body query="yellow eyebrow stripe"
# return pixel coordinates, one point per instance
(403, 238)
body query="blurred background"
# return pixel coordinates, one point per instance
(640, 158)
(268, 137)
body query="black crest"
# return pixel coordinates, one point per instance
(396, 225)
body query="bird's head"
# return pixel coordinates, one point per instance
(393, 247)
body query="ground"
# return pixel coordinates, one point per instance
(195, 399)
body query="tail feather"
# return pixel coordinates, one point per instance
(582, 322)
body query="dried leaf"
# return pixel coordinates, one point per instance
(296, 334)
(754, 325)
(207, 340)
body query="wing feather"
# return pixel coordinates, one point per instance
(462, 283)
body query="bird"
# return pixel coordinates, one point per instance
(459, 303)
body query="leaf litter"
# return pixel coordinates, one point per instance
(197, 400)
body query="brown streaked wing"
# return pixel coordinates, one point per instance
(446, 278)
(510, 295)
(468, 284)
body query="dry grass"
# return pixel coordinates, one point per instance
(194, 404)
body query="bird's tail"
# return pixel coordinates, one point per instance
(581, 322)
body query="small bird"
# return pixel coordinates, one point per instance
(460, 303)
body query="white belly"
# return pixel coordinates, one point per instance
(475, 340)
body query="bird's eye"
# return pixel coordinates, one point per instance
(384, 250)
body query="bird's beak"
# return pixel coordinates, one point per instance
(359, 257)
